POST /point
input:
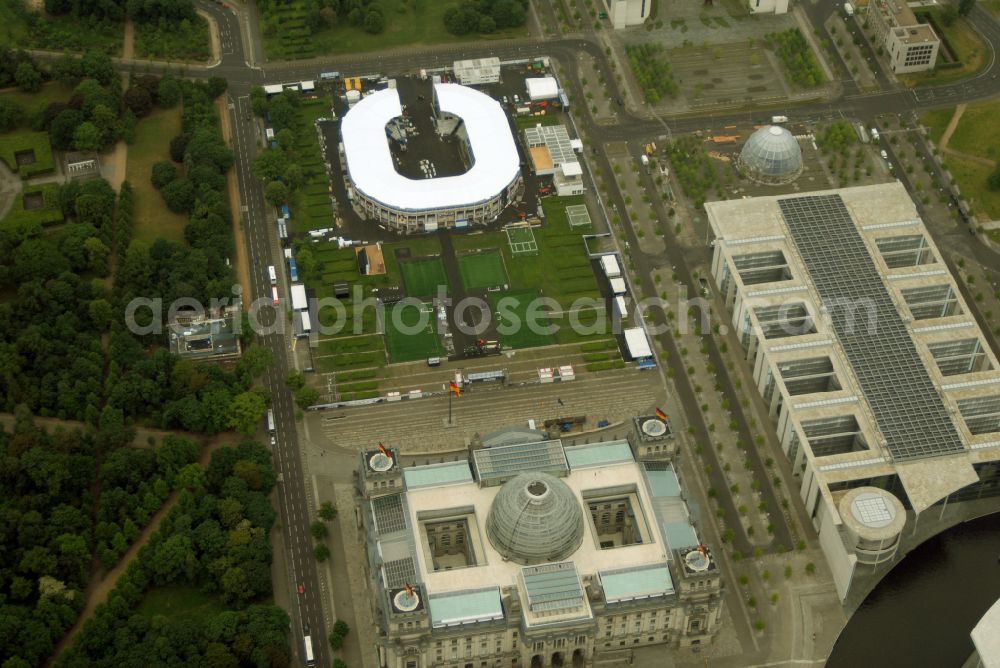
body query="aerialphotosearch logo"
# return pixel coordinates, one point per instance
(505, 315)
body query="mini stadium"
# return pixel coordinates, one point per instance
(477, 196)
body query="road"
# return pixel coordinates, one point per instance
(242, 63)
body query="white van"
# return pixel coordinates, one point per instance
(271, 274)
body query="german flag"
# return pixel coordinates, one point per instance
(455, 389)
(381, 448)
(660, 414)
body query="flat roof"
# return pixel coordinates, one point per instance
(506, 461)
(637, 343)
(626, 584)
(598, 454)
(435, 475)
(986, 637)
(542, 88)
(372, 170)
(465, 607)
(491, 568)
(906, 406)
(299, 301)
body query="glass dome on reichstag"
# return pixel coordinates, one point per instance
(771, 155)
(535, 518)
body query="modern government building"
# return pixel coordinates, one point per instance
(382, 194)
(533, 553)
(882, 388)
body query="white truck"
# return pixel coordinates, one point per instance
(874, 134)
(848, 10)
(644, 159)
(779, 119)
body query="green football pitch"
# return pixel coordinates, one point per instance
(422, 277)
(513, 328)
(411, 332)
(482, 270)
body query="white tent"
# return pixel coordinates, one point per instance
(299, 301)
(637, 343)
(542, 88)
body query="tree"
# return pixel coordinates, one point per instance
(965, 6)
(86, 137)
(97, 65)
(285, 138)
(97, 255)
(949, 14)
(306, 397)
(322, 553)
(327, 510)
(341, 628)
(216, 86)
(295, 380)
(62, 128)
(270, 165)
(374, 21)
(138, 100)
(169, 92)
(163, 173)
(101, 313)
(67, 70)
(246, 411)
(276, 193)
(27, 77)
(993, 182)
(487, 25)
(318, 530)
(179, 195)
(11, 114)
(336, 639)
(178, 146)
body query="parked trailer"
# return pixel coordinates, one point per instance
(862, 133)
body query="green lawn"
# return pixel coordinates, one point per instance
(411, 332)
(48, 214)
(17, 141)
(482, 270)
(976, 133)
(423, 277)
(409, 23)
(936, 122)
(530, 121)
(513, 325)
(311, 207)
(969, 50)
(152, 219)
(180, 602)
(184, 40)
(35, 103)
(20, 28)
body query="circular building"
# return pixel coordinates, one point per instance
(771, 156)
(873, 519)
(535, 518)
(380, 193)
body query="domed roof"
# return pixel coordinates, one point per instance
(772, 155)
(535, 518)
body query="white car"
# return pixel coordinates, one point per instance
(885, 156)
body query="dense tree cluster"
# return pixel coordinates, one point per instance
(366, 14)
(798, 58)
(278, 167)
(485, 16)
(214, 539)
(45, 527)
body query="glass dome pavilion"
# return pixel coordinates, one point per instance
(771, 155)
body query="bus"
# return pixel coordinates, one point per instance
(270, 421)
(307, 651)
(274, 295)
(271, 274)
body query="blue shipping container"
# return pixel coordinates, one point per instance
(293, 270)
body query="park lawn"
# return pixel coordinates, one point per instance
(482, 270)
(35, 103)
(530, 121)
(422, 278)
(971, 178)
(976, 133)
(180, 603)
(153, 220)
(48, 214)
(936, 122)
(12, 143)
(969, 50)
(519, 333)
(182, 40)
(411, 332)
(340, 264)
(310, 206)
(408, 24)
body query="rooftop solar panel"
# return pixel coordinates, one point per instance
(895, 382)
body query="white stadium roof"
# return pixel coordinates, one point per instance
(370, 163)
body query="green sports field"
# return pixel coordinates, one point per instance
(422, 277)
(517, 334)
(405, 344)
(482, 270)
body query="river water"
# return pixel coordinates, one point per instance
(921, 613)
